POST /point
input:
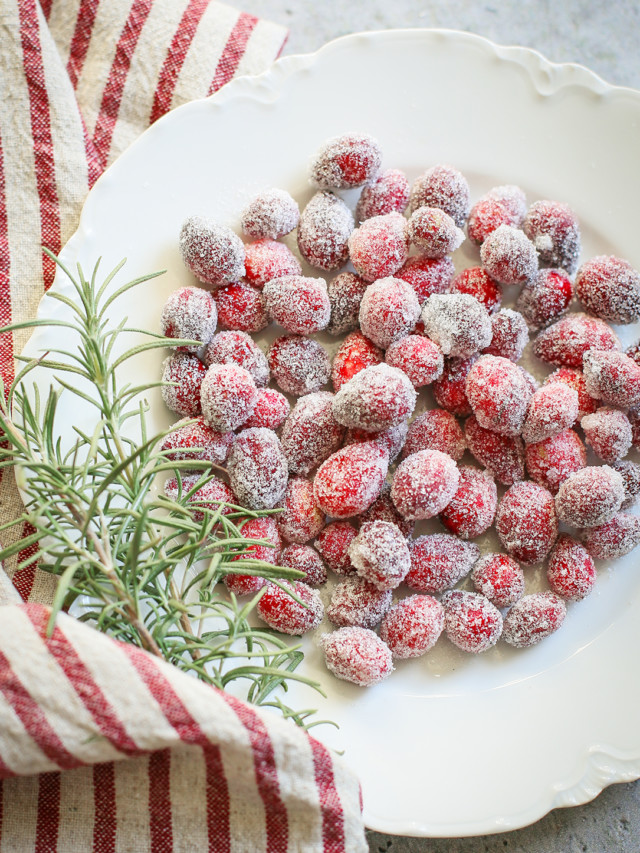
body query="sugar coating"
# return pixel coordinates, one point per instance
(609, 287)
(612, 377)
(357, 655)
(283, 613)
(503, 456)
(333, 545)
(196, 440)
(424, 483)
(270, 214)
(457, 322)
(345, 292)
(350, 480)
(549, 462)
(346, 161)
(565, 342)
(267, 259)
(449, 389)
(255, 528)
(499, 578)
(300, 520)
(311, 433)
(379, 247)
(509, 334)
(608, 432)
(356, 352)
(575, 379)
(438, 561)
(305, 559)
(387, 192)
(238, 348)
(476, 282)
(356, 602)
(503, 205)
(590, 497)
(614, 538)
(526, 522)
(471, 621)
(630, 473)
(323, 231)
(545, 297)
(634, 420)
(189, 313)
(380, 554)
(375, 399)
(383, 509)
(444, 187)
(554, 230)
(241, 308)
(413, 626)
(211, 495)
(418, 357)
(533, 618)
(299, 304)
(270, 411)
(427, 275)
(391, 439)
(553, 408)
(228, 395)
(471, 511)
(509, 256)
(257, 469)
(213, 253)
(389, 310)
(571, 572)
(435, 429)
(433, 232)
(187, 372)
(499, 394)
(299, 365)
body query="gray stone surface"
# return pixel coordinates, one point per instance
(603, 35)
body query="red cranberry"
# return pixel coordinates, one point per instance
(241, 308)
(550, 462)
(323, 231)
(545, 297)
(443, 187)
(526, 522)
(189, 313)
(346, 161)
(533, 618)
(502, 455)
(471, 621)
(299, 365)
(387, 193)
(571, 571)
(357, 655)
(299, 304)
(183, 374)
(508, 256)
(280, 610)
(311, 433)
(213, 253)
(412, 626)
(590, 497)
(473, 507)
(476, 282)
(269, 215)
(499, 578)
(379, 247)
(257, 469)
(350, 480)
(389, 310)
(355, 354)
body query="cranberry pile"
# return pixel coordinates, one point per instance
(353, 469)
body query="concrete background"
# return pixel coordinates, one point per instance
(604, 36)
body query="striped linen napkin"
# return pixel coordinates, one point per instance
(102, 746)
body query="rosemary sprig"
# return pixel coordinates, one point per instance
(139, 566)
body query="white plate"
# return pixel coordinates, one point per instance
(449, 745)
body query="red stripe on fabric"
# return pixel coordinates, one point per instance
(175, 57)
(46, 5)
(41, 135)
(330, 805)
(81, 38)
(112, 95)
(1, 809)
(104, 802)
(24, 579)
(160, 826)
(82, 681)
(233, 51)
(48, 818)
(6, 340)
(264, 760)
(218, 805)
(32, 717)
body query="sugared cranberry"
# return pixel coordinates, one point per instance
(189, 313)
(550, 462)
(612, 377)
(630, 473)
(418, 357)
(379, 247)
(375, 399)
(533, 618)
(213, 253)
(257, 469)
(571, 571)
(435, 429)
(391, 439)
(433, 232)
(323, 231)
(345, 292)
(183, 373)
(566, 341)
(255, 528)
(380, 554)
(299, 304)
(449, 390)
(333, 544)
(412, 626)
(383, 509)
(545, 297)
(526, 522)
(473, 507)
(387, 193)
(499, 578)
(357, 655)
(554, 230)
(300, 519)
(241, 308)
(355, 601)
(305, 559)
(590, 497)
(608, 432)
(280, 610)
(504, 205)
(458, 323)
(228, 395)
(427, 275)
(471, 621)
(238, 348)
(509, 256)
(476, 282)
(499, 394)
(614, 538)
(509, 334)
(443, 187)
(346, 161)
(575, 379)
(270, 411)
(389, 310)
(299, 365)
(424, 483)
(438, 561)
(210, 496)
(553, 408)
(198, 441)
(311, 433)
(355, 354)
(268, 259)
(350, 480)
(270, 214)
(609, 287)
(502, 455)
